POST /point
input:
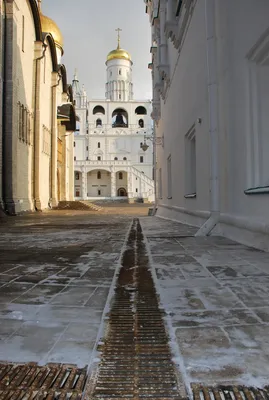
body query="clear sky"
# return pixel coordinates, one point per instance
(88, 27)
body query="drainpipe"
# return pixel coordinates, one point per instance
(36, 138)
(212, 77)
(155, 171)
(53, 146)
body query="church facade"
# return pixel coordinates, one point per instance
(210, 69)
(37, 118)
(113, 151)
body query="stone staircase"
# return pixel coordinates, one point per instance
(143, 177)
(93, 206)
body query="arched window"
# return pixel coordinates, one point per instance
(140, 110)
(124, 158)
(98, 122)
(115, 158)
(99, 175)
(120, 175)
(141, 123)
(119, 71)
(98, 110)
(120, 118)
(99, 145)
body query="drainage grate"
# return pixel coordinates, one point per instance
(229, 393)
(31, 382)
(135, 356)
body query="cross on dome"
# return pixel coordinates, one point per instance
(118, 30)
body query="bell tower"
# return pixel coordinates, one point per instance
(119, 86)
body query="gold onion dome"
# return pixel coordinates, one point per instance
(118, 53)
(49, 26)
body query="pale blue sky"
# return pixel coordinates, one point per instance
(88, 27)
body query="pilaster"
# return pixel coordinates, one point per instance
(130, 184)
(39, 52)
(113, 183)
(84, 184)
(9, 115)
(54, 139)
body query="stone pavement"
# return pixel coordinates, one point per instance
(57, 275)
(215, 293)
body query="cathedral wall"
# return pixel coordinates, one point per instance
(244, 96)
(186, 100)
(236, 90)
(25, 71)
(2, 39)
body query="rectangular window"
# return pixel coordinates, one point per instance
(23, 33)
(141, 159)
(99, 158)
(87, 148)
(169, 177)
(74, 144)
(87, 158)
(75, 158)
(77, 176)
(99, 145)
(136, 190)
(190, 162)
(99, 192)
(257, 160)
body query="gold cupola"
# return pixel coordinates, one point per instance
(119, 53)
(49, 26)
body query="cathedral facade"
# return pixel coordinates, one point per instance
(37, 118)
(113, 150)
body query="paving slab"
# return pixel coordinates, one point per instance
(215, 295)
(56, 270)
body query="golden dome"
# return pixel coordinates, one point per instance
(49, 26)
(118, 53)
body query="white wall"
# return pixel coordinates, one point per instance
(94, 184)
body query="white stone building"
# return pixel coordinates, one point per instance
(210, 67)
(109, 161)
(37, 116)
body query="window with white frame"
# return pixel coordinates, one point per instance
(258, 116)
(190, 163)
(169, 178)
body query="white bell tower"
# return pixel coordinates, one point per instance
(119, 86)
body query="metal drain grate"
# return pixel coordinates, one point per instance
(229, 393)
(135, 361)
(31, 382)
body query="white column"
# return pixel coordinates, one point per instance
(113, 183)
(84, 184)
(130, 183)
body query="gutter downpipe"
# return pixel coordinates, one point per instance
(36, 159)
(213, 109)
(155, 171)
(52, 144)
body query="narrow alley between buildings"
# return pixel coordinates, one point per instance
(115, 304)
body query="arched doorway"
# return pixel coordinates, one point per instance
(122, 192)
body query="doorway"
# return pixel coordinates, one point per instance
(122, 192)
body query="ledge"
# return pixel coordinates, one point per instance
(257, 190)
(190, 196)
